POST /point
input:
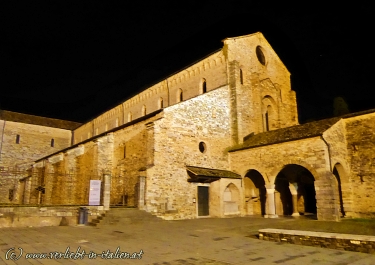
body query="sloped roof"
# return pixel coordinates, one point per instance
(38, 120)
(201, 174)
(307, 130)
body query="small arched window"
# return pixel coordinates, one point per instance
(161, 103)
(179, 95)
(204, 86)
(267, 118)
(241, 77)
(52, 142)
(144, 110)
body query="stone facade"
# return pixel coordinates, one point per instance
(219, 138)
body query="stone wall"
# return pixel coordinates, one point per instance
(335, 138)
(161, 95)
(358, 243)
(66, 176)
(44, 216)
(310, 153)
(22, 143)
(177, 136)
(257, 87)
(360, 132)
(129, 163)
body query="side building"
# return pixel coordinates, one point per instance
(23, 139)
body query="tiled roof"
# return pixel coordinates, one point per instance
(37, 120)
(212, 173)
(307, 130)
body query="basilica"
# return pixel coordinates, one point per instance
(219, 138)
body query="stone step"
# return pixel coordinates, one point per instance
(123, 216)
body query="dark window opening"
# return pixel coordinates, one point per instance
(241, 77)
(204, 86)
(260, 55)
(180, 95)
(202, 147)
(161, 103)
(267, 121)
(52, 142)
(11, 193)
(17, 139)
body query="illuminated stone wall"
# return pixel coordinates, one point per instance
(177, 135)
(161, 95)
(360, 140)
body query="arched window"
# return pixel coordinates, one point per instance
(52, 142)
(241, 77)
(204, 86)
(130, 116)
(144, 110)
(267, 121)
(161, 103)
(267, 118)
(179, 95)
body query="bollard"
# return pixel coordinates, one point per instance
(83, 215)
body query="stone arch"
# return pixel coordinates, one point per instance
(295, 191)
(255, 193)
(297, 162)
(231, 199)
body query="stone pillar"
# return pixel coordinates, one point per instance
(271, 209)
(293, 187)
(107, 191)
(48, 182)
(141, 192)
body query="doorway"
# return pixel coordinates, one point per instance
(203, 203)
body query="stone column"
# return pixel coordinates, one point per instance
(107, 191)
(48, 181)
(141, 193)
(271, 210)
(293, 187)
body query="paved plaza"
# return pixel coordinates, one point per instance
(153, 241)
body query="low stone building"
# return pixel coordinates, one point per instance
(219, 138)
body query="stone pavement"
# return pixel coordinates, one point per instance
(199, 241)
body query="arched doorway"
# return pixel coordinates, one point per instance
(295, 191)
(339, 171)
(255, 193)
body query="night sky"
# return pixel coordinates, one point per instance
(75, 60)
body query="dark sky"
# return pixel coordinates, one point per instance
(74, 61)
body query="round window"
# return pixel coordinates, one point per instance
(202, 147)
(260, 55)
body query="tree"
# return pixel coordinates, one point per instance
(340, 107)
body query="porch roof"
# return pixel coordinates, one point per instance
(207, 175)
